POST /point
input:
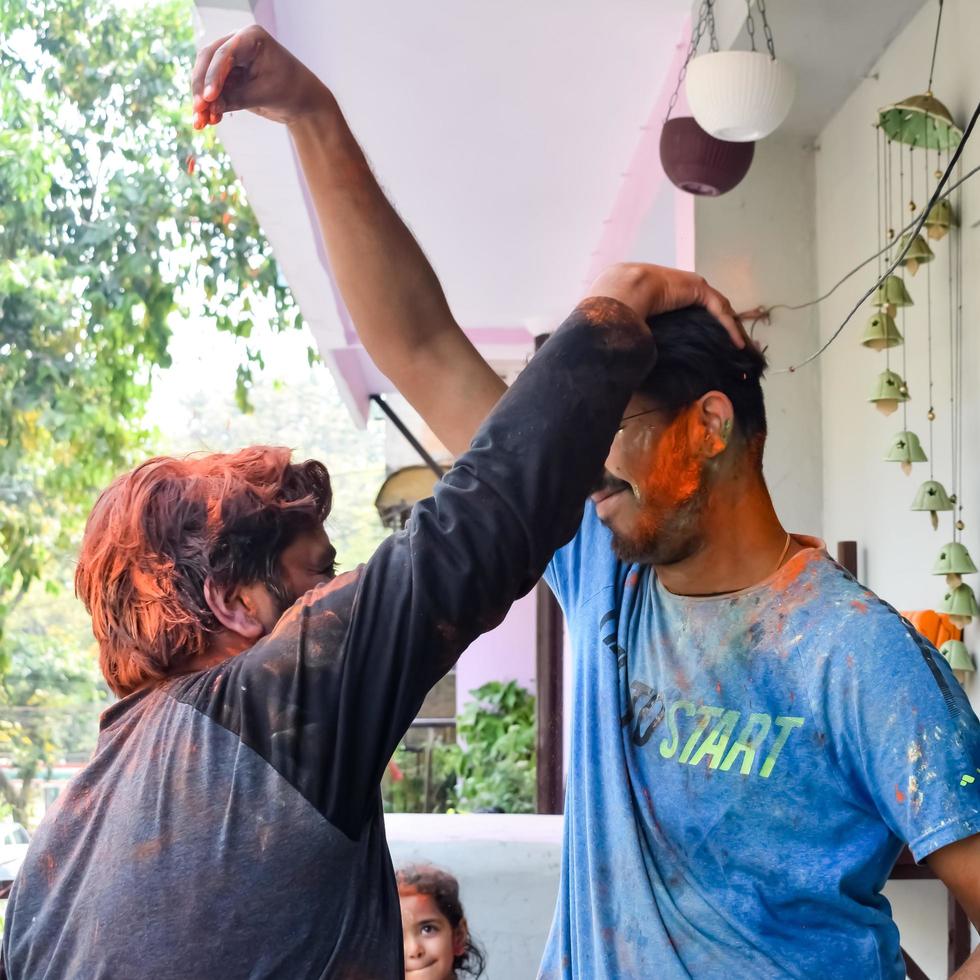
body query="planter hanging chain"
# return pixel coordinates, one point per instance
(766, 29)
(706, 19)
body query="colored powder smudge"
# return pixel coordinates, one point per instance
(899, 795)
(675, 471)
(859, 606)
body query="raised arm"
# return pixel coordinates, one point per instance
(391, 291)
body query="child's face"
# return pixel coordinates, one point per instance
(431, 944)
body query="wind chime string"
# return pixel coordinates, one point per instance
(905, 332)
(879, 190)
(932, 409)
(951, 320)
(916, 228)
(959, 368)
(935, 47)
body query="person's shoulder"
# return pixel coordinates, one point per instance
(588, 560)
(842, 616)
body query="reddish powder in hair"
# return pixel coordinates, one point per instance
(157, 533)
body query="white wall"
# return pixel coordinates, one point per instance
(756, 245)
(864, 497)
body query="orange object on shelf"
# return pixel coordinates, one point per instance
(934, 626)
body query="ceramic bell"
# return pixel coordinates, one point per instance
(920, 121)
(918, 254)
(954, 561)
(960, 604)
(906, 449)
(889, 390)
(891, 294)
(932, 497)
(880, 332)
(939, 220)
(958, 658)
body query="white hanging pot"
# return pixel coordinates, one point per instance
(739, 96)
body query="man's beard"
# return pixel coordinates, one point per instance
(672, 538)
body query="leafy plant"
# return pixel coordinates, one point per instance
(494, 757)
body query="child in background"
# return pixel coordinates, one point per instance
(438, 945)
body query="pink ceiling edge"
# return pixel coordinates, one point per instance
(642, 180)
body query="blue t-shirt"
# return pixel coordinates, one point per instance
(745, 770)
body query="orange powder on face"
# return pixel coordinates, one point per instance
(676, 468)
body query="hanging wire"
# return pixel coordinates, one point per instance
(853, 272)
(935, 47)
(915, 227)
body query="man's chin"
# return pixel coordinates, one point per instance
(660, 549)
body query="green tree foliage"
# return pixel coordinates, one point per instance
(113, 215)
(50, 696)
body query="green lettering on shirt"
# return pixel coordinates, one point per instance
(707, 712)
(786, 724)
(716, 741)
(669, 745)
(748, 742)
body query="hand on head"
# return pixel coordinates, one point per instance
(652, 289)
(251, 70)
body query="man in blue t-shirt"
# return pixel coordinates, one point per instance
(754, 734)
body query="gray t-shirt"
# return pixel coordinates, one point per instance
(229, 824)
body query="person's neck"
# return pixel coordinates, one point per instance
(743, 542)
(222, 646)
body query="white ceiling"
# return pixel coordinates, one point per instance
(517, 139)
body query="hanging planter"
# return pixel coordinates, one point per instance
(740, 95)
(700, 164)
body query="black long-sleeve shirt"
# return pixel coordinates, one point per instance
(229, 824)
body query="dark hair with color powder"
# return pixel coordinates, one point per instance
(695, 355)
(443, 889)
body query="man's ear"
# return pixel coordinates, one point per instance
(718, 419)
(235, 608)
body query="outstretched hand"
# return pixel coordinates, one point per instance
(652, 289)
(251, 70)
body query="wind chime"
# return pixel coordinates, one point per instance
(910, 134)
